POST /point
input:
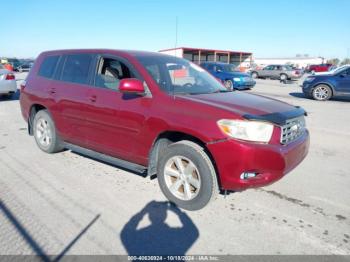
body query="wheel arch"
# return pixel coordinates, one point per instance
(169, 137)
(35, 108)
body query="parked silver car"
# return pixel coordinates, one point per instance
(8, 84)
(282, 72)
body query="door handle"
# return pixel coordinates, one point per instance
(93, 98)
(52, 91)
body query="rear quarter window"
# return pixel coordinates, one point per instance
(76, 68)
(48, 66)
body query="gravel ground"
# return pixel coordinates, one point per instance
(68, 204)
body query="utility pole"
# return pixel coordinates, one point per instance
(176, 28)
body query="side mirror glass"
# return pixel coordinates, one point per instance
(131, 85)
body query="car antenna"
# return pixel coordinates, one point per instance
(176, 29)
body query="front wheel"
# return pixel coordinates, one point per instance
(255, 75)
(228, 84)
(186, 175)
(322, 93)
(45, 133)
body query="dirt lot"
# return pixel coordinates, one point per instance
(68, 204)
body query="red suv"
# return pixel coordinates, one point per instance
(165, 115)
(318, 68)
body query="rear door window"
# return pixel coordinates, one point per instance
(48, 66)
(76, 68)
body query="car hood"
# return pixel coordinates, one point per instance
(323, 74)
(237, 74)
(249, 106)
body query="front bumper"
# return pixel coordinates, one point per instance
(244, 85)
(307, 86)
(270, 162)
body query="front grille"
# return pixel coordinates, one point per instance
(293, 129)
(247, 79)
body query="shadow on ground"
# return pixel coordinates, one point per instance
(159, 238)
(33, 243)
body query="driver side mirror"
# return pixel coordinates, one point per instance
(131, 86)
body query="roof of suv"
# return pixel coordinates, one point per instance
(115, 51)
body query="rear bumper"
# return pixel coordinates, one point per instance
(295, 77)
(8, 86)
(270, 162)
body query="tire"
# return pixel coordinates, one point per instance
(322, 92)
(45, 134)
(283, 77)
(228, 84)
(203, 173)
(255, 75)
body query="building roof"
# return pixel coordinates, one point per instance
(206, 50)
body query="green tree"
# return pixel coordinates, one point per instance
(346, 61)
(333, 61)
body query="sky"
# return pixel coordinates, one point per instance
(269, 28)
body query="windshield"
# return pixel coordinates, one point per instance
(179, 76)
(229, 68)
(337, 70)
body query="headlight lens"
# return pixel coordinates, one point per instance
(247, 130)
(236, 79)
(309, 79)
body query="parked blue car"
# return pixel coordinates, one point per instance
(227, 73)
(323, 86)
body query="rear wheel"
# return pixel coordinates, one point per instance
(283, 77)
(45, 133)
(322, 93)
(186, 175)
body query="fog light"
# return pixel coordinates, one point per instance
(247, 175)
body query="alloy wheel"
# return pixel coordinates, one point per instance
(182, 178)
(321, 93)
(43, 132)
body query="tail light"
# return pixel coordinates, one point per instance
(10, 77)
(23, 85)
(297, 72)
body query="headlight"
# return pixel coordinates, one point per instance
(247, 130)
(309, 79)
(236, 79)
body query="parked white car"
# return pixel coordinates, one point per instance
(8, 84)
